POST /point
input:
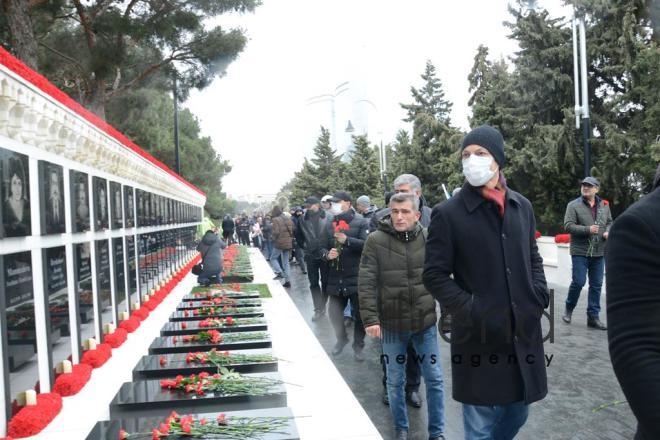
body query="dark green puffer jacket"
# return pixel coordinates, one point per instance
(390, 287)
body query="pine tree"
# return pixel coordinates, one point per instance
(362, 172)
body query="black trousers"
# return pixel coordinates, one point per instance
(413, 370)
(317, 270)
(336, 313)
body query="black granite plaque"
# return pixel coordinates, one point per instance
(120, 275)
(19, 313)
(175, 344)
(109, 430)
(83, 270)
(129, 207)
(79, 193)
(239, 303)
(192, 328)
(100, 197)
(51, 191)
(117, 219)
(198, 297)
(15, 182)
(187, 315)
(146, 398)
(103, 275)
(169, 365)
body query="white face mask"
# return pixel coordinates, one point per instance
(335, 209)
(477, 169)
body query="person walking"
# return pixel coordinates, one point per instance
(267, 231)
(211, 247)
(483, 264)
(282, 245)
(588, 220)
(228, 228)
(633, 308)
(342, 248)
(313, 225)
(399, 310)
(298, 240)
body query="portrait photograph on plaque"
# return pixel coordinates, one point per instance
(79, 192)
(103, 281)
(84, 292)
(58, 302)
(51, 193)
(15, 193)
(100, 203)
(19, 318)
(117, 220)
(129, 208)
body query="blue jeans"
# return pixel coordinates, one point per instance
(269, 249)
(595, 267)
(281, 267)
(206, 279)
(428, 355)
(500, 422)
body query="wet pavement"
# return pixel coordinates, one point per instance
(580, 380)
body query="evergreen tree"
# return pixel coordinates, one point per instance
(363, 170)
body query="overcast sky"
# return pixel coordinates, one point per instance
(259, 115)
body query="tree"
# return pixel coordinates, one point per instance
(100, 49)
(363, 170)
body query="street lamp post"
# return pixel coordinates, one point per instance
(382, 156)
(580, 82)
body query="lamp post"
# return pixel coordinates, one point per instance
(580, 82)
(382, 156)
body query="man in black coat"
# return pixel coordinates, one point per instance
(633, 308)
(484, 237)
(228, 229)
(342, 249)
(312, 227)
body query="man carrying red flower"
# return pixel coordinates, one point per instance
(342, 248)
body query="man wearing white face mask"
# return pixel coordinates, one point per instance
(484, 237)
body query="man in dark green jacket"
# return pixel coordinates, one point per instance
(396, 307)
(588, 220)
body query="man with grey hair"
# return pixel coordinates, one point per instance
(364, 207)
(400, 311)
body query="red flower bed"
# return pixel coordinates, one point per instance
(31, 420)
(97, 357)
(131, 324)
(68, 384)
(116, 339)
(563, 238)
(141, 314)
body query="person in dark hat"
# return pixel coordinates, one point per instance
(341, 247)
(633, 308)
(588, 220)
(312, 228)
(482, 263)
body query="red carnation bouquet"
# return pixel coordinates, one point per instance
(340, 227)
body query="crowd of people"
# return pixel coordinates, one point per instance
(474, 258)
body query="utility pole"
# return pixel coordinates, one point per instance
(175, 92)
(580, 84)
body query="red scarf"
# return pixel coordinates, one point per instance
(497, 194)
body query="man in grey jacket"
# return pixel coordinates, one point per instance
(588, 220)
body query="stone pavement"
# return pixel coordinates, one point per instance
(580, 379)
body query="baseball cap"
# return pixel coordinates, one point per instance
(326, 198)
(591, 181)
(311, 200)
(342, 196)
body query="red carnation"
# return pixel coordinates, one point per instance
(341, 226)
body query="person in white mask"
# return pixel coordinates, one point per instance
(482, 263)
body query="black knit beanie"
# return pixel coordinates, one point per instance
(489, 138)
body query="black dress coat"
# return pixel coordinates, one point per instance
(343, 274)
(496, 296)
(633, 309)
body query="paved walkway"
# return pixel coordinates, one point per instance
(580, 379)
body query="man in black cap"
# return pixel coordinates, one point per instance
(482, 263)
(588, 220)
(312, 227)
(342, 248)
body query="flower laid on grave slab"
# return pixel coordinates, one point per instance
(216, 337)
(222, 426)
(68, 384)
(222, 358)
(32, 419)
(226, 310)
(226, 382)
(229, 322)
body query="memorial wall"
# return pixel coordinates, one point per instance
(89, 223)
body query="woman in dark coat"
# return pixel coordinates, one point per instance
(633, 308)
(211, 248)
(484, 237)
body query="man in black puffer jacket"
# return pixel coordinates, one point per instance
(342, 248)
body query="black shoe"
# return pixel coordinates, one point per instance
(317, 316)
(357, 355)
(594, 322)
(413, 399)
(440, 437)
(339, 347)
(386, 398)
(568, 314)
(278, 276)
(304, 271)
(287, 284)
(401, 434)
